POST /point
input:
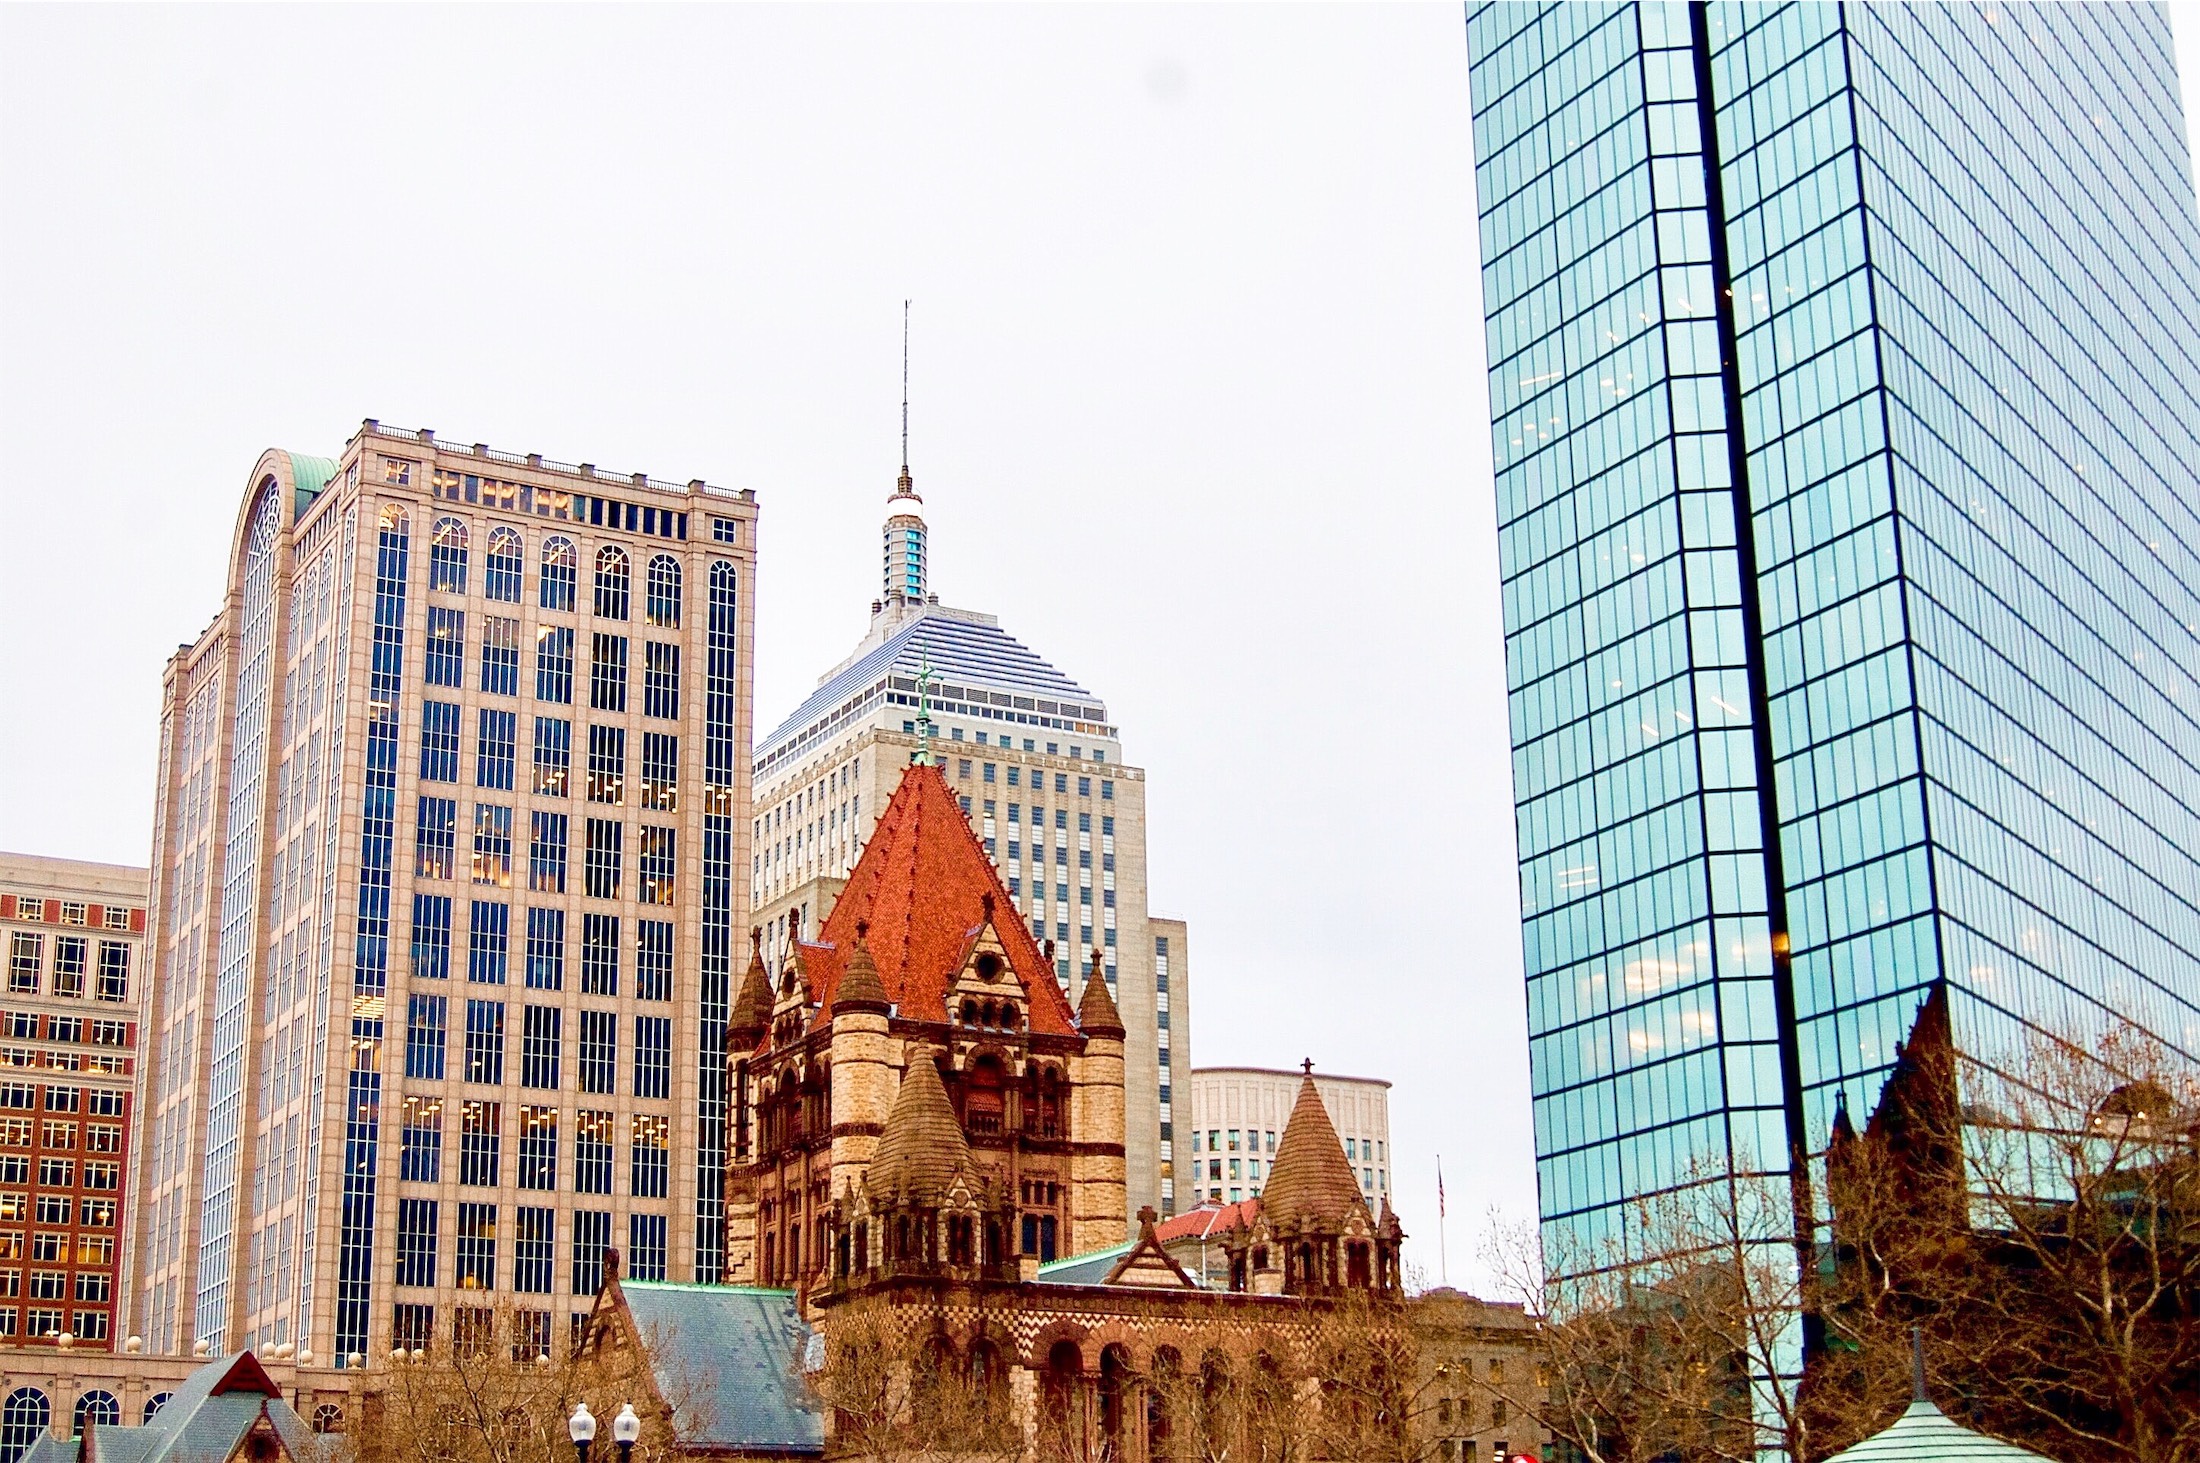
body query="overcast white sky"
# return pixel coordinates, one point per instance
(1197, 411)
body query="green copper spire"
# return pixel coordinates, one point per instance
(925, 678)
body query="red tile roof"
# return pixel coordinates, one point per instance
(1208, 1221)
(923, 889)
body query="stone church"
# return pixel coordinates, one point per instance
(925, 1176)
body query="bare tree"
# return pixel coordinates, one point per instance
(497, 1392)
(898, 1389)
(2039, 1224)
(1681, 1337)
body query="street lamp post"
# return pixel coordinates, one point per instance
(626, 1430)
(581, 1428)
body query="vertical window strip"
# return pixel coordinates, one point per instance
(370, 967)
(721, 749)
(488, 943)
(546, 949)
(496, 749)
(538, 1148)
(554, 664)
(485, 1042)
(499, 655)
(445, 663)
(592, 1161)
(546, 844)
(431, 937)
(553, 755)
(599, 1052)
(653, 960)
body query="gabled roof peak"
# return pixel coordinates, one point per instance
(915, 902)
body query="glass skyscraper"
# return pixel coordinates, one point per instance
(1843, 363)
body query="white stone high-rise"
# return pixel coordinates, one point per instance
(1039, 769)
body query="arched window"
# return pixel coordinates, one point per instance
(1061, 1399)
(394, 519)
(614, 583)
(664, 591)
(1116, 1389)
(559, 562)
(154, 1404)
(982, 1095)
(502, 570)
(327, 1418)
(23, 1417)
(1164, 1401)
(447, 555)
(98, 1406)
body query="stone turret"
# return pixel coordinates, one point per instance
(1097, 1171)
(1315, 1235)
(862, 1063)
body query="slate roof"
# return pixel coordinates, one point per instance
(960, 651)
(1310, 1179)
(1090, 1268)
(1925, 1434)
(922, 1146)
(920, 889)
(203, 1422)
(738, 1350)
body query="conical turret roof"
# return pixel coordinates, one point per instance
(1096, 1012)
(860, 988)
(1310, 1181)
(922, 1146)
(752, 1008)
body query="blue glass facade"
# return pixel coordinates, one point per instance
(1844, 415)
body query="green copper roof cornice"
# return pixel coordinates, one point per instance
(311, 474)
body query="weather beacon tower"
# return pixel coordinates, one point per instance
(1843, 390)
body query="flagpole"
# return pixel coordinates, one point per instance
(1443, 1257)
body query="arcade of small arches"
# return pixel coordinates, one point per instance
(1109, 1393)
(992, 1094)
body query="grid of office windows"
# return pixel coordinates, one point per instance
(1643, 885)
(488, 833)
(1842, 494)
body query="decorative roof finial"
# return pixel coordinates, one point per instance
(1307, 1066)
(925, 679)
(1917, 1364)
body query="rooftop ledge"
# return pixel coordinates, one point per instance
(536, 462)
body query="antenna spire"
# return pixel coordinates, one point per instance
(905, 391)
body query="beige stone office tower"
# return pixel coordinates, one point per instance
(452, 801)
(1233, 1115)
(1037, 766)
